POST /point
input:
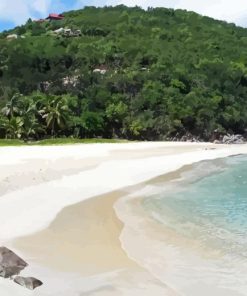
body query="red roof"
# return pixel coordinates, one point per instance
(55, 16)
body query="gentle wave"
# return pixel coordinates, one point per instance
(191, 233)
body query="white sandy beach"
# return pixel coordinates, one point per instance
(57, 212)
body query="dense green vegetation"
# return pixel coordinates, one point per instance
(58, 141)
(164, 73)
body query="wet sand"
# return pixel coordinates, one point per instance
(84, 239)
(85, 235)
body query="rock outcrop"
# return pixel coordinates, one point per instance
(28, 282)
(233, 139)
(10, 263)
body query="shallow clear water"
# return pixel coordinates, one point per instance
(211, 209)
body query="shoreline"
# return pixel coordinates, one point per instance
(189, 266)
(148, 242)
(90, 247)
(112, 172)
(115, 168)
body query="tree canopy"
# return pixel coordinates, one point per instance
(131, 73)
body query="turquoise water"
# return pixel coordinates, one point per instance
(211, 209)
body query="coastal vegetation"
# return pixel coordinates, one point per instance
(57, 141)
(152, 74)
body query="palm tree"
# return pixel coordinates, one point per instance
(31, 127)
(13, 127)
(55, 113)
(12, 108)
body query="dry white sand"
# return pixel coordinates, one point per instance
(51, 178)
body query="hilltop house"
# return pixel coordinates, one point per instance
(55, 17)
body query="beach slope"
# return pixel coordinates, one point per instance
(57, 211)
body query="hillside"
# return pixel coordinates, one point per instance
(123, 72)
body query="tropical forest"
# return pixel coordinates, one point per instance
(123, 73)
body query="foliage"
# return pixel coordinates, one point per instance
(132, 73)
(57, 141)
